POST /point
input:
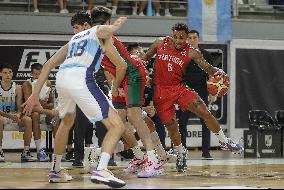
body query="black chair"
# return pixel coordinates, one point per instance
(261, 119)
(279, 118)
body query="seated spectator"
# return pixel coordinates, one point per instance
(35, 4)
(114, 6)
(167, 8)
(90, 6)
(63, 6)
(143, 5)
(44, 115)
(11, 111)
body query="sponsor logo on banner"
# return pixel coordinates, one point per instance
(249, 140)
(31, 56)
(268, 140)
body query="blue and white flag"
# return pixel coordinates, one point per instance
(211, 18)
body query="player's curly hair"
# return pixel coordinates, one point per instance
(80, 18)
(180, 27)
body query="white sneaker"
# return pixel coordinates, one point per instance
(36, 11)
(59, 177)
(168, 14)
(158, 14)
(142, 14)
(64, 11)
(2, 157)
(107, 178)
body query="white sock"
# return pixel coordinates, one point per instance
(167, 10)
(138, 152)
(158, 145)
(103, 163)
(114, 8)
(134, 10)
(38, 144)
(152, 156)
(221, 136)
(179, 149)
(56, 162)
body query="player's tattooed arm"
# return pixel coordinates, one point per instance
(198, 58)
(152, 50)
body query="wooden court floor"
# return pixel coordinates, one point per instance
(224, 172)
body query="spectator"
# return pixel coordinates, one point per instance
(63, 6)
(11, 111)
(90, 6)
(114, 6)
(167, 8)
(35, 4)
(44, 115)
(143, 5)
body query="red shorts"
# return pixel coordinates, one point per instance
(165, 98)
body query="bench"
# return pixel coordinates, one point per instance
(43, 127)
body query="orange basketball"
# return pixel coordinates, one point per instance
(217, 86)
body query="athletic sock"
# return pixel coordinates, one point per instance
(103, 163)
(138, 152)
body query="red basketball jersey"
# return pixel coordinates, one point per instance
(170, 63)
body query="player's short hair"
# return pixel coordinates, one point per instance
(180, 27)
(100, 15)
(36, 66)
(194, 32)
(80, 18)
(131, 46)
(5, 66)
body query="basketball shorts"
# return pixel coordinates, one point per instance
(76, 85)
(165, 98)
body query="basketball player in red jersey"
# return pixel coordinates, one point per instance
(172, 55)
(133, 85)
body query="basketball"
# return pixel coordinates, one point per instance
(217, 86)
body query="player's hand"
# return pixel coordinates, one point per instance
(28, 106)
(114, 91)
(121, 92)
(221, 74)
(118, 23)
(211, 99)
(150, 110)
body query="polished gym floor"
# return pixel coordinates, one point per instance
(226, 171)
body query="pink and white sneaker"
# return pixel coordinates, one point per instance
(151, 169)
(134, 165)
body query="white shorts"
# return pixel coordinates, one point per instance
(77, 86)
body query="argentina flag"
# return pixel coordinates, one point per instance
(211, 18)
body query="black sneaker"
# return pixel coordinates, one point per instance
(2, 157)
(206, 156)
(69, 156)
(27, 157)
(112, 162)
(77, 164)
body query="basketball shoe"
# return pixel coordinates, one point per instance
(41, 156)
(59, 177)
(134, 165)
(150, 169)
(27, 157)
(181, 165)
(106, 177)
(231, 146)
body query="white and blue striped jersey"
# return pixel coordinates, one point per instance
(84, 50)
(8, 99)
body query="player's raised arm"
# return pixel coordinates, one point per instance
(106, 31)
(152, 49)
